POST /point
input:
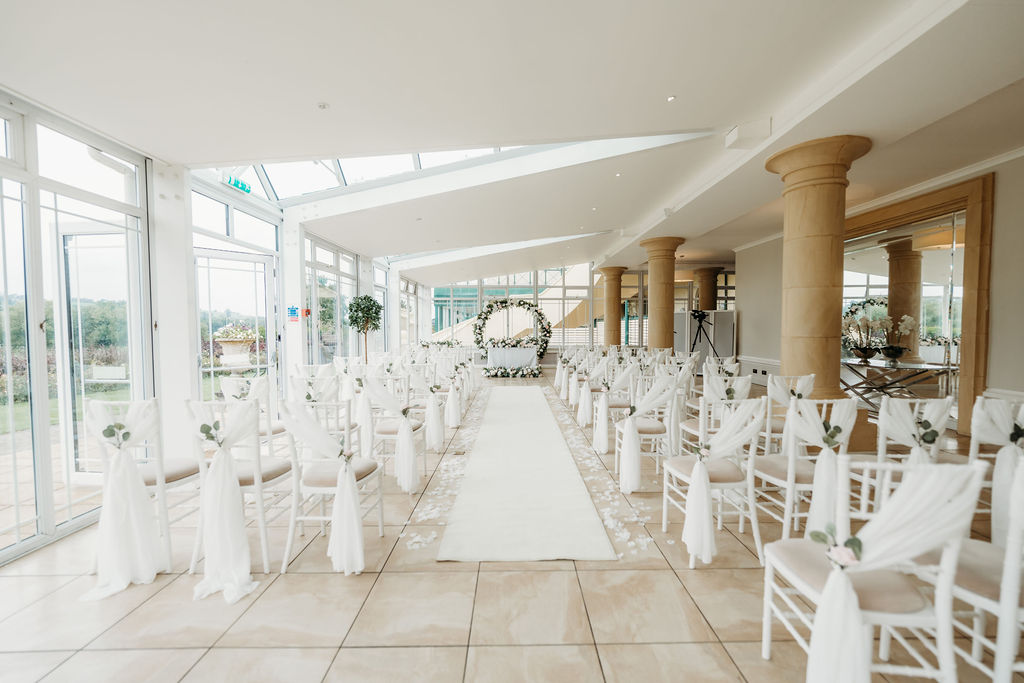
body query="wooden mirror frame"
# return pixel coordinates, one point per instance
(974, 197)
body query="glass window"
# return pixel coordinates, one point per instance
(5, 138)
(75, 163)
(380, 276)
(432, 159)
(347, 263)
(254, 230)
(256, 187)
(209, 214)
(295, 178)
(204, 241)
(324, 256)
(361, 169)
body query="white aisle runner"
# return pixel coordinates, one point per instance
(522, 497)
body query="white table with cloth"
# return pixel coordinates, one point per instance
(519, 357)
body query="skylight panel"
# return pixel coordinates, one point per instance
(432, 159)
(295, 178)
(362, 169)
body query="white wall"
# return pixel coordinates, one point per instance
(1006, 307)
(174, 305)
(759, 306)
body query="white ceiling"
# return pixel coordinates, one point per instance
(552, 203)
(936, 84)
(206, 83)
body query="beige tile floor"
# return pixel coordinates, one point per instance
(645, 617)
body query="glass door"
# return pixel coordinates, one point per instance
(237, 309)
(18, 510)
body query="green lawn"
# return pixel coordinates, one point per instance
(22, 414)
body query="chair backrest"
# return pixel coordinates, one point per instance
(925, 415)
(781, 388)
(714, 414)
(836, 412)
(981, 437)
(887, 476)
(140, 420)
(236, 422)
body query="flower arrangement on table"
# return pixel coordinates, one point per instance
(524, 371)
(895, 334)
(541, 322)
(513, 342)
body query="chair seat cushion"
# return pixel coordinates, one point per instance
(619, 403)
(691, 425)
(272, 469)
(979, 568)
(720, 470)
(390, 426)
(877, 591)
(175, 469)
(774, 466)
(276, 427)
(325, 474)
(648, 426)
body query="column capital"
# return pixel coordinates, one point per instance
(709, 270)
(825, 160)
(661, 247)
(613, 272)
(901, 247)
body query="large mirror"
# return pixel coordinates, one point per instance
(903, 291)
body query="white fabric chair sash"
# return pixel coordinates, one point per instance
(933, 504)
(684, 381)
(345, 543)
(225, 543)
(739, 426)
(453, 407)
(716, 387)
(128, 546)
(406, 473)
(781, 389)
(434, 428)
(992, 422)
(804, 423)
(896, 421)
(629, 460)
(602, 423)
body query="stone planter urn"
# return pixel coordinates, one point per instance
(235, 352)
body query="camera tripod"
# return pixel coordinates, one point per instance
(701, 318)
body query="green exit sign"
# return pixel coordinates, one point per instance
(236, 183)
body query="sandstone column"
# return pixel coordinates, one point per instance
(612, 304)
(661, 276)
(814, 174)
(905, 290)
(706, 280)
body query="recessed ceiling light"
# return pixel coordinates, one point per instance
(322, 106)
(419, 219)
(617, 175)
(670, 98)
(593, 208)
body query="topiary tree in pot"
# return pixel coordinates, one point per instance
(364, 315)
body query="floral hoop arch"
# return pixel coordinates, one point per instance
(539, 319)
